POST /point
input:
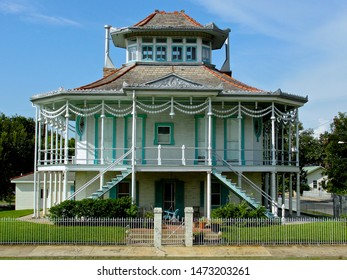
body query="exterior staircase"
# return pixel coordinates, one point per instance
(240, 192)
(112, 183)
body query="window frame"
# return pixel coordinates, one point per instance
(196, 52)
(156, 50)
(142, 52)
(172, 53)
(171, 134)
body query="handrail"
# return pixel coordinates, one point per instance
(251, 183)
(100, 174)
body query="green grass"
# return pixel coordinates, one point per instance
(326, 232)
(14, 231)
(15, 213)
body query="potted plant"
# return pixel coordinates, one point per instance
(202, 223)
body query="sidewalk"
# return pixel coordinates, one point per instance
(200, 252)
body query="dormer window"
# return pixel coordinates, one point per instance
(147, 52)
(160, 53)
(191, 53)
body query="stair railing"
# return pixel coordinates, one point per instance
(250, 182)
(113, 164)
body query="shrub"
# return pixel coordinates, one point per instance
(238, 211)
(94, 208)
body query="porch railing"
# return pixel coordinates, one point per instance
(166, 155)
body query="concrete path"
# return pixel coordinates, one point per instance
(201, 252)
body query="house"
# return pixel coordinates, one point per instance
(167, 128)
(316, 181)
(24, 190)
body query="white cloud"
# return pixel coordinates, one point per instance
(31, 13)
(313, 48)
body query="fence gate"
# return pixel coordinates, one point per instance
(173, 232)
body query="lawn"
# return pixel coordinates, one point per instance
(24, 232)
(325, 232)
(15, 213)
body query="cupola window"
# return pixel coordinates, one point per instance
(191, 53)
(160, 53)
(177, 53)
(147, 52)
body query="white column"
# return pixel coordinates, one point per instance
(208, 195)
(209, 141)
(56, 158)
(50, 190)
(273, 147)
(51, 157)
(55, 189)
(46, 143)
(290, 194)
(66, 152)
(290, 143)
(133, 155)
(297, 137)
(102, 146)
(36, 156)
(61, 146)
(298, 194)
(239, 116)
(64, 194)
(59, 187)
(273, 192)
(44, 199)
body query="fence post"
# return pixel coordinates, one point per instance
(157, 226)
(188, 219)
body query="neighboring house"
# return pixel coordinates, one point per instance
(24, 190)
(168, 128)
(316, 181)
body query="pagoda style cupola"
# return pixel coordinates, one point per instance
(164, 37)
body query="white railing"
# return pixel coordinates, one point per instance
(165, 155)
(97, 177)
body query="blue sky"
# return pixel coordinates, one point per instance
(298, 46)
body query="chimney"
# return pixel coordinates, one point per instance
(108, 65)
(226, 66)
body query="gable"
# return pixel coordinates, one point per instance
(173, 81)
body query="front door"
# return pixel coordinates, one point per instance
(169, 195)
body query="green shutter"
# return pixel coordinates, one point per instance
(202, 197)
(158, 195)
(113, 192)
(179, 199)
(224, 192)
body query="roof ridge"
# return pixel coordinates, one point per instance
(89, 86)
(182, 12)
(191, 19)
(234, 82)
(147, 19)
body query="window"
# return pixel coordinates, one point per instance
(123, 189)
(161, 40)
(177, 40)
(191, 54)
(191, 40)
(147, 40)
(163, 134)
(206, 54)
(160, 53)
(215, 194)
(132, 53)
(314, 184)
(147, 53)
(177, 53)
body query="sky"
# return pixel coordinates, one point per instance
(297, 46)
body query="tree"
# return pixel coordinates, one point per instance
(17, 143)
(311, 149)
(336, 155)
